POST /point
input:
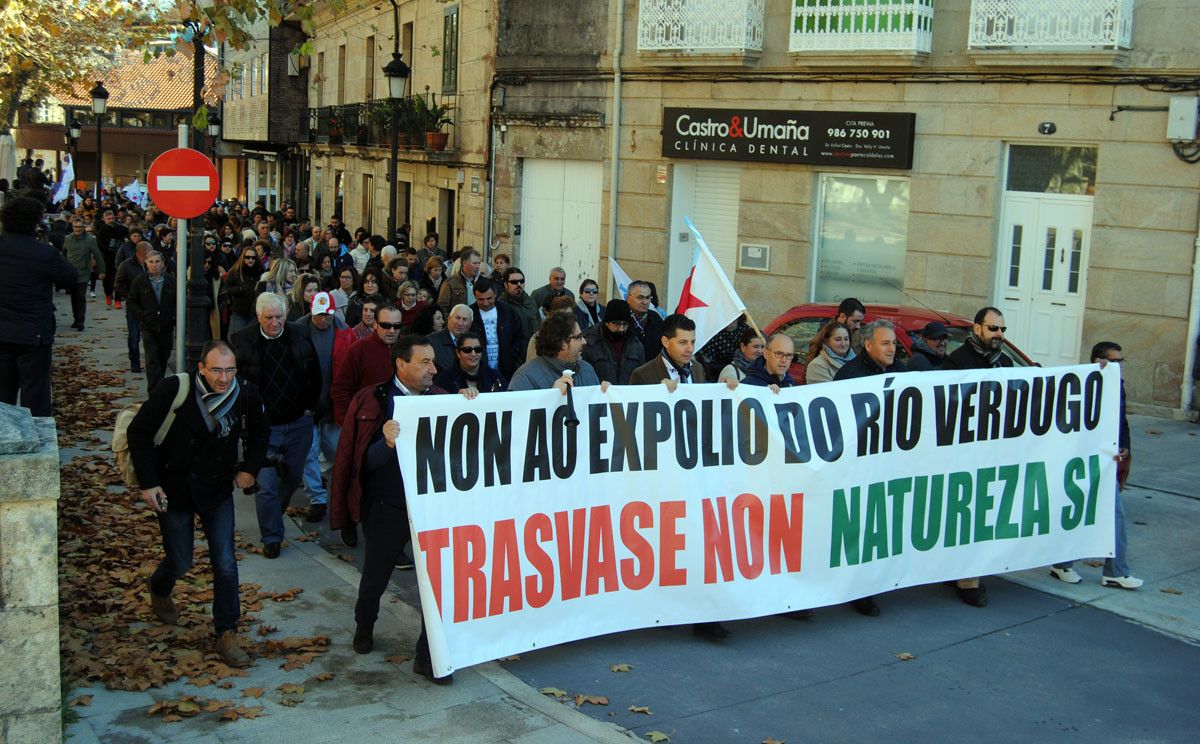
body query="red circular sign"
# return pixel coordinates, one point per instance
(183, 183)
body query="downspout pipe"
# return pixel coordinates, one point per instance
(614, 178)
(1185, 386)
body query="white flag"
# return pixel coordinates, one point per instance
(136, 193)
(708, 296)
(63, 189)
(622, 280)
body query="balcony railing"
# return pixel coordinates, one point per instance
(862, 25)
(1052, 24)
(369, 124)
(701, 26)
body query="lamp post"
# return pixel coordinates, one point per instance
(397, 74)
(214, 133)
(99, 108)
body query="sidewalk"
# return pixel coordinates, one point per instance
(366, 698)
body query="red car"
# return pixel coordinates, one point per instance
(802, 322)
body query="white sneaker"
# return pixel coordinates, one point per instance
(1067, 575)
(92, 294)
(1123, 582)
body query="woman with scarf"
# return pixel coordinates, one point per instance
(588, 310)
(469, 370)
(280, 279)
(237, 291)
(373, 283)
(750, 348)
(829, 350)
(300, 299)
(434, 275)
(410, 307)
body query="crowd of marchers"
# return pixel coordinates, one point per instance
(315, 332)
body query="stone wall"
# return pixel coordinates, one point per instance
(30, 689)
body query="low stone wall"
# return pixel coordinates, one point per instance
(30, 689)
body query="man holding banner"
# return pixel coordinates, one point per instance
(366, 469)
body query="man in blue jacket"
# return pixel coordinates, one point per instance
(29, 271)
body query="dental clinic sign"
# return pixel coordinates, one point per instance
(849, 138)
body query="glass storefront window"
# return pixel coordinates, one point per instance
(862, 239)
(1052, 170)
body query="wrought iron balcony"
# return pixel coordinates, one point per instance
(701, 26)
(1065, 25)
(369, 124)
(862, 25)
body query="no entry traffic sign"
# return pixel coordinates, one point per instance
(183, 183)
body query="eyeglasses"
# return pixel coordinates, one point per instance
(591, 290)
(577, 337)
(223, 371)
(781, 354)
(388, 326)
(515, 281)
(997, 329)
(617, 323)
(471, 350)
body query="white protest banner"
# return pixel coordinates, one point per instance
(711, 504)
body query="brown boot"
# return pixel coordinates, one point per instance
(163, 608)
(231, 653)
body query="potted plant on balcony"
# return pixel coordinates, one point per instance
(336, 128)
(411, 124)
(434, 117)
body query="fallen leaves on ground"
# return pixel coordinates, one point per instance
(290, 688)
(1094, 564)
(1170, 590)
(657, 736)
(397, 659)
(83, 700)
(905, 656)
(645, 709)
(109, 544)
(772, 740)
(252, 692)
(620, 668)
(580, 699)
(553, 692)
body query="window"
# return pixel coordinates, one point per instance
(862, 239)
(253, 75)
(339, 193)
(319, 79)
(318, 189)
(1014, 265)
(1052, 170)
(262, 75)
(369, 72)
(450, 50)
(368, 208)
(341, 75)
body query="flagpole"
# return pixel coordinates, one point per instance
(750, 320)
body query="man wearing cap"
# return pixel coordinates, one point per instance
(611, 349)
(331, 338)
(929, 347)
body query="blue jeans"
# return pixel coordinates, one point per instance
(289, 445)
(178, 532)
(1118, 565)
(134, 325)
(325, 442)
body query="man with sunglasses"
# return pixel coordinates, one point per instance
(983, 349)
(367, 363)
(514, 296)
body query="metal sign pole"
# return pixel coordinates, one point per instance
(181, 266)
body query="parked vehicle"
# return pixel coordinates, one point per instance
(802, 322)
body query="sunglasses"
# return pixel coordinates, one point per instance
(515, 281)
(591, 290)
(997, 329)
(471, 349)
(388, 326)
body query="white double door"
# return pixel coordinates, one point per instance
(1041, 275)
(560, 220)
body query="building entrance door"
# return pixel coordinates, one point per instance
(560, 220)
(1042, 273)
(710, 195)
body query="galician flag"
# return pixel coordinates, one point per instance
(622, 280)
(63, 189)
(708, 297)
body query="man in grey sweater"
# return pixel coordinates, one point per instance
(559, 349)
(82, 251)
(328, 333)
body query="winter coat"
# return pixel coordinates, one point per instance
(155, 313)
(29, 271)
(81, 252)
(601, 355)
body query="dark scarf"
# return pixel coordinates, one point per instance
(219, 406)
(992, 356)
(685, 372)
(740, 362)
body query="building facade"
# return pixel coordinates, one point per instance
(986, 152)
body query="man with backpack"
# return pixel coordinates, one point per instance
(183, 443)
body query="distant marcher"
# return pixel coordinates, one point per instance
(130, 269)
(29, 272)
(646, 325)
(445, 340)
(84, 254)
(513, 295)
(460, 288)
(928, 347)
(588, 310)
(556, 287)
(611, 349)
(331, 339)
(470, 371)
(152, 300)
(560, 348)
(828, 352)
(500, 329)
(750, 349)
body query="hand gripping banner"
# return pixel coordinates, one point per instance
(709, 504)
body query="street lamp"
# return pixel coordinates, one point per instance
(397, 74)
(214, 132)
(99, 108)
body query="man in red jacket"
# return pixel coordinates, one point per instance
(366, 485)
(367, 363)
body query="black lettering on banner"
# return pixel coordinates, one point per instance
(537, 449)
(990, 392)
(1041, 405)
(866, 421)
(826, 429)
(795, 436)
(686, 445)
(1066, 411)
(709, 456)
(726, 431)
(565, 440)
(752, 432)
(945, 407)
(624, 440)
(464, 451)
(497, 449)
(1016, 407)
(1093, 387)
(966, 412)
(431, 455)
(656, 429)
(908, 414)
(597, 436)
